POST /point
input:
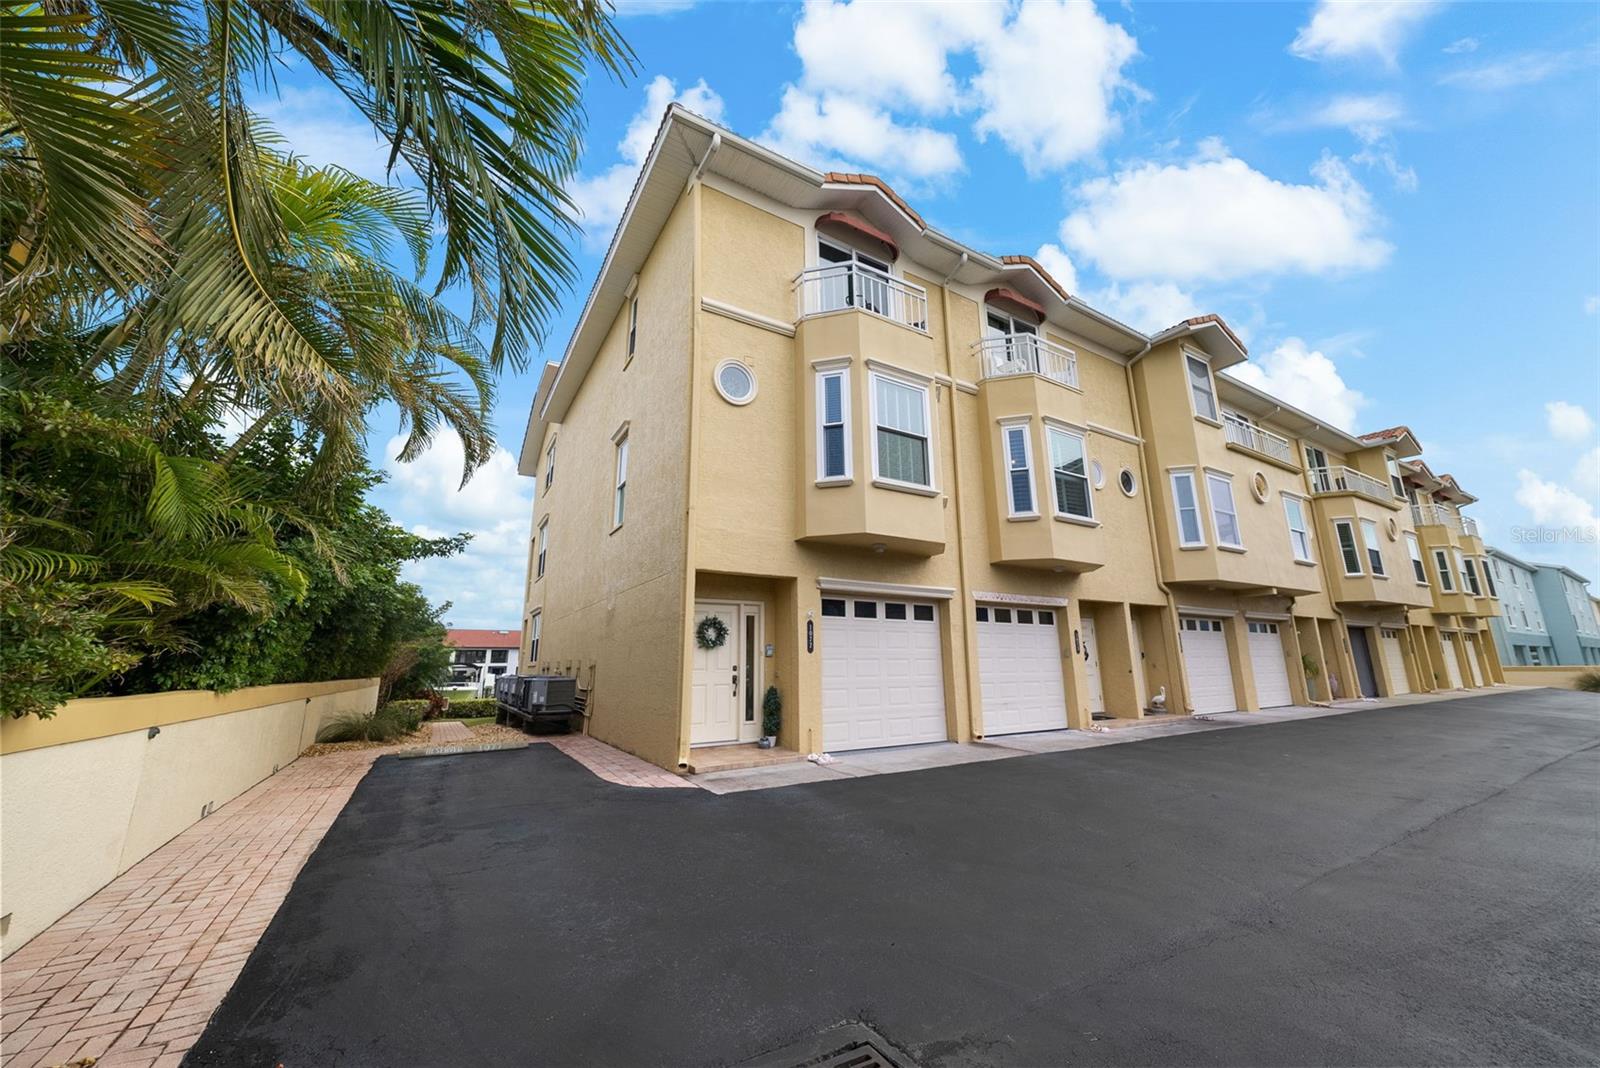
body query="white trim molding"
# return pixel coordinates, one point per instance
(887, 589)
(749, 318)
(986, 597)
(1109, 432)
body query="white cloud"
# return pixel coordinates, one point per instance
(1371, 118)
(831, 131)
(842, 50)
(1216, 218)
(1461, 45)
(483, 583)
(1360, 29)
(1305, 378)
(1591, 305)
(628, 8)
(1048, 82)
(1054, 259)
(1145, 306)
(601, 198)
(1528, 68)
(1586, 473)
(1359, 111)
(319, 125)
(1552, 504)
(1568, 422)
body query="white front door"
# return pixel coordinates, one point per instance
(719, 692)
(1089, 656)
(1205, 659)
(1266, 662)
(1452, 667)
(1394, 660)
(1019, 670)
(882, 674)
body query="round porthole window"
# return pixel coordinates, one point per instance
(1258, 487)
(1394, 529)
(1098, 472)
(1129, 484)
(736, 382)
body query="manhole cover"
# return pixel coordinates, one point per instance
(845, 1046)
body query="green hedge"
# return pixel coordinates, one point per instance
(471, 708)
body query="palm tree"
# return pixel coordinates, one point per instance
(123, 130)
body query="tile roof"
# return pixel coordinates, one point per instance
(1029, 261)
(882, 186)
(483, 639)
(1205, 320)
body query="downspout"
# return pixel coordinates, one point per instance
(955, 493)
(691, 190)
(1180, 673)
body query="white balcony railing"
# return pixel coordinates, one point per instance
(1254, 438)
(855, 285)
(1027, 354)
(1433, 515)
(1349, 480)
(1469, 527)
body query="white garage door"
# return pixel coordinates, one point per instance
(1394, 660)
(1019, 670)
(1266, 661)
(1452, 667)
(1470, 650)
(881, 677)
(1205, 658)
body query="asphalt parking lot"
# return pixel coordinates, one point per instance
(1394, 886)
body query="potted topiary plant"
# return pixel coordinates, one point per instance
(771, 717)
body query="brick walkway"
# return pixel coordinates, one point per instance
(613, 765)
(450, 732)
(132, 975)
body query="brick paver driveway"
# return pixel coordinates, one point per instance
(1411, 885)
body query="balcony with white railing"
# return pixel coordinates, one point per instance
(1434, 515)
(1005, 355)
(1469, 527)
(842, 286)
(1248, 436)
(1349, 480)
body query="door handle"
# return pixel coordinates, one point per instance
(736, 680)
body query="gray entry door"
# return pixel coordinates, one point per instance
(1362, 652)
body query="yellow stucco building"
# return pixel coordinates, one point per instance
(800, 439)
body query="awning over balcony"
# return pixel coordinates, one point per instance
(1015, 302)
(856, 231)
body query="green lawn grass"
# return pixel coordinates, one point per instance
(473, 722)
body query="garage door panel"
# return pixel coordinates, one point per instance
(1267, 664)
(1205, 659)
(1394, 660)
(1019, 671)
(882, 679)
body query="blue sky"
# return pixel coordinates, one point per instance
(1397, 206)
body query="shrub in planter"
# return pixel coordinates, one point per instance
(1588, 682)
(771, 713)
(379, 727)
(472, 709)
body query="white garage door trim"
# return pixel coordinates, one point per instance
(1266, 661)
(1019, 669)
(1205, 660)
(882, 677)
(1394, 660)
(1469, 644)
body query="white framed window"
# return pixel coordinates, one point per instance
(1471, 574)
(833, 420)
(1019, 469)
(633, 326)
(544, 547)
(534, 625)
(1369, 534)
(1201, 390)
(1186, 507)
(1345, 531)
(1414, 547)
(1224, 516)
(1294, 512)
(735, 381)
(619, 496)
(900, 443)
(1396, 486)
(1441, 561)
(1461, 569)
(1068, 478)
(550, 465)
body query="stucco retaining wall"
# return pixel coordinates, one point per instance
(87, 794)
(1562, 677)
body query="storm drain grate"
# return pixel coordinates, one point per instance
(852, 1045)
